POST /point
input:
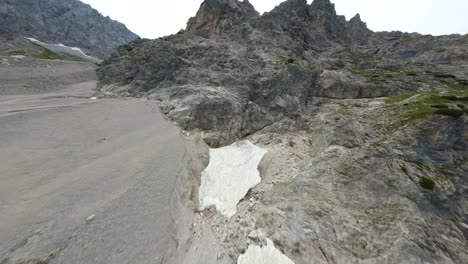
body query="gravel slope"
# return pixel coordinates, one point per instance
(81, 180)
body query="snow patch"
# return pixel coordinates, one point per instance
(17, 56)
(231, 173)
(32, 39)
(65, 49)
(265, 255)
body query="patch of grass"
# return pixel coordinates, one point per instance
(440, 106)
(450, 112)
(344, 110)
(17, 52)
(439, 50)
(462, 87)
(444, 75)
(382, 75)
(427, 183)
(411, 73)
(48, 55)
(398, 98)
(425, 105)
(286, 60)
(364, 74)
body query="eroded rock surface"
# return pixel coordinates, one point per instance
(366, 132)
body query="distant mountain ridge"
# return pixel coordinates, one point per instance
(69, 22)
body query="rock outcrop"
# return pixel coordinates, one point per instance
(216, 17)
(69, 22)
(350, 177)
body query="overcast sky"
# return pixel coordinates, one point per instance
(156, 18)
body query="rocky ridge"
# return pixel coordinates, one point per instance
(366, 131)
(69, 22)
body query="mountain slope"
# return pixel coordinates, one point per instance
(367, 132)
(69, 22)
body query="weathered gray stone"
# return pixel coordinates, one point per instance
(342, 180)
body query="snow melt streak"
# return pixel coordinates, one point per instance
(231, 173)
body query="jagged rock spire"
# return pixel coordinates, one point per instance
(324, 19)
(357, 30)
(217, 16)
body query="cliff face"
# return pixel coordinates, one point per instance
(216, 17)
(366, 131)
(69, 22)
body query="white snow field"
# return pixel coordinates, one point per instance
(231, 173)
(265, 255)
(60, 48)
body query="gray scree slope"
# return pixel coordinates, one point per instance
(70, 22)
(64, 158)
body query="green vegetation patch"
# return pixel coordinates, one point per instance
(48, 55)
(286, 60)
(427, 183)
(424, 105)
(440, 106)
(398, 98)
(45, 54)
(444, 75)
(439, 50)
(461, 87)
(450, 112)
(344, 110)
(383, 75)
(17, 52)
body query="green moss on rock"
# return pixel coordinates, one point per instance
(427, 183)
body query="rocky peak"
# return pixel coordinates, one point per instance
(324, 19)
(357, 31)
(217, 16)
(293, 9)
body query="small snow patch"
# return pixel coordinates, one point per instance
(231, 173)
(265, 255)
(91, 218)
(33, 39)
(18, 56)
(93, 98)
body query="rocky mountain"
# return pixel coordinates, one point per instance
(69, 22)
(367, 132)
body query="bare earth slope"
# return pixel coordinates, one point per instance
(84, 181)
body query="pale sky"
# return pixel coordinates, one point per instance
(157, 18)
